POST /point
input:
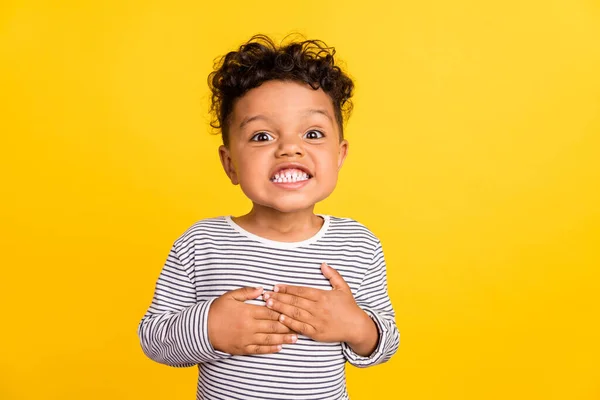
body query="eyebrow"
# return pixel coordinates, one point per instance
(258, 117)
(319, 111)
(307, 113)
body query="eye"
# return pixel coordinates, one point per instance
(313, 134)
(261, 137)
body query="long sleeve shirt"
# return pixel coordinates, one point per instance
(215, 256)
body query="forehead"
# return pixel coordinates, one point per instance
(282, 101)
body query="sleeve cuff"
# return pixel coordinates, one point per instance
(207, 352)
(378, 354)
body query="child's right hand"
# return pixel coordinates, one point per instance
(238, 328)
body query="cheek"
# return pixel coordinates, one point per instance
(328, 166)
(251, 167)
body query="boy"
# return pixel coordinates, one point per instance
(281, 113)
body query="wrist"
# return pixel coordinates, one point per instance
(211, 326)
(365, 336)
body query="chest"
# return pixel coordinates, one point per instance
(219, 270)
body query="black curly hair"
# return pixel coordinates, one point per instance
(260, 60)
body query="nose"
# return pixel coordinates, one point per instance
(290, 147)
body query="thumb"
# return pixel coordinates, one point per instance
(336, 280)
(246, 293)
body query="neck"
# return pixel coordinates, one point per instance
(282, 226)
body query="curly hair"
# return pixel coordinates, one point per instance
(260, 60)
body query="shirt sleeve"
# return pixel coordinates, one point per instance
(372, 297)
(174, 330)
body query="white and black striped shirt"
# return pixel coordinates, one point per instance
(215, 256)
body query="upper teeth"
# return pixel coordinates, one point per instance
(290, 175)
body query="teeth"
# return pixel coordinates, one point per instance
(290, 176)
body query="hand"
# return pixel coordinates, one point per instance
(325, 315)
(238, 328)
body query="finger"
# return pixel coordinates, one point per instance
(302, 328)
(246, 293)
(273, 339)
(300, 291)
(289, 299)
(257, 349)
(296, 313)
(262, 312)
(270, 327)
(336, 280)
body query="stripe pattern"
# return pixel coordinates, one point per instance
(215, 256)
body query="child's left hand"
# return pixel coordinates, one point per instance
(325, 315)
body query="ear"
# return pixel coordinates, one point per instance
(342, 153)
(228, 165)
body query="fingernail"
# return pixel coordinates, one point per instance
(270, 303)
(281, 318)
(279, 347)
(294, 338)
(266, 296)
(276, 289)
(260, 288)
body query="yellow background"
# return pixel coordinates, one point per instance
(474, 157)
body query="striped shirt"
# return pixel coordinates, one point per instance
(215, 256)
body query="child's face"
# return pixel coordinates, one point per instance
(284, 148)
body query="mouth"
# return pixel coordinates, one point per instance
(291, 174)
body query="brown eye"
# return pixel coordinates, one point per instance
(314, 135)
(261, 137)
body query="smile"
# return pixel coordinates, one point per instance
(290, 175)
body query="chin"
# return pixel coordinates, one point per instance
(290, 208)
(287, 203)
